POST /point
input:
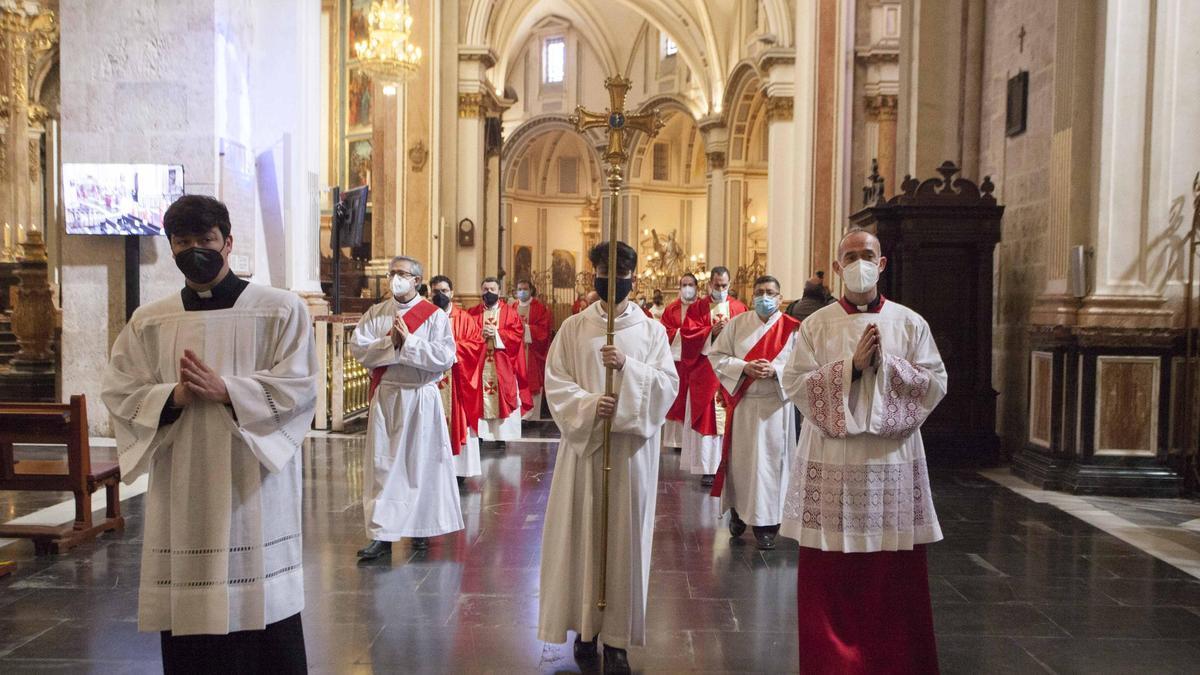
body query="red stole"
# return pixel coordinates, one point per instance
(413, 319)
(768, 347)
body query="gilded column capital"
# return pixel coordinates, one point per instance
(470, 105)
(780, 108)
(882, 107)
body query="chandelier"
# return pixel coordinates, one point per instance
(387, 54)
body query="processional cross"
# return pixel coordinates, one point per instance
(617, 121)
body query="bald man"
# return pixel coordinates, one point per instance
(865, 372)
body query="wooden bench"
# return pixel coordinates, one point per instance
(57, 424)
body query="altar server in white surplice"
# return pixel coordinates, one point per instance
(409, 488)
(212, 392)
(748, 358)
(645, 384)
(866, 374)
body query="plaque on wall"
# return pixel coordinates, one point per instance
(466, 233)
(1018, 104)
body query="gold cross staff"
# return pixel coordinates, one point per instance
(617, 121)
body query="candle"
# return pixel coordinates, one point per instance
(7, 236)
(20, 233)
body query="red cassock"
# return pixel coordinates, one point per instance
(703, 385)
(510, 361)
(466, 403)
(541, 321)
(672, 320)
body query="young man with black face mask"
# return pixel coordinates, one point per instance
(502, 386)
(211, 392)
(645, 384)
(539, 324)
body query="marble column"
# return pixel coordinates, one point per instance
(467, 269)
(787, 245)
(716, 142)
(1122, 293)
(881, 117)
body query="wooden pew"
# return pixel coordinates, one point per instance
(57, 424)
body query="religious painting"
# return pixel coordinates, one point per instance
(522, 262)
(562, 269)
(358, 162)
(1017, 104)
(358, 99)
(358, 29)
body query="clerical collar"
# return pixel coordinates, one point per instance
(221, 296)
(872, 307)
(415, 299)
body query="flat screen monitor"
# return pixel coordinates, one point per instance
(119, 198)
(352, 218)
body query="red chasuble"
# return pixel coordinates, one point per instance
(413, 319)
(703, 385)
(672, 320)
(466, 404)
(767, 347)
(540, 322)
(510, 361)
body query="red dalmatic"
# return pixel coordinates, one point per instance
(767, 347)
(510, 361)
(412, 319)
(540, 322)
(466, 405)
(672, 320)
(704, 385)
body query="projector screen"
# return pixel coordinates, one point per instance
(119, 198)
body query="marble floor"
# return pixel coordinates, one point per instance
(1019, 586)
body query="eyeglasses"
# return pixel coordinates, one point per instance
(766, 294)
(401, 273)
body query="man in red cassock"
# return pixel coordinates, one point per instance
(539, 322)
(672, 319)
(866, 374)
(459, 387)
(705, 320)
(502, 376)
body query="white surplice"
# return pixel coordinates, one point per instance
(222, 543)
(466, 462)
(757, 475)
(701, 455)
(409, 488)
(860, 482)
(645, 387)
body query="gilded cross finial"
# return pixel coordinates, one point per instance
(617, 120)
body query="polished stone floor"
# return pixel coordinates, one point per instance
(1018, 586)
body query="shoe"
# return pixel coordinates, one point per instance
(766, 540)
(737, 526)
(615, 660)
(375, 550)
(420, 543)
(584, 651)
(707, 480)
(462, 482)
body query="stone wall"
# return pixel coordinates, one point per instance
(1020, 167)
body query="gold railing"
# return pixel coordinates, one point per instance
(344, 385)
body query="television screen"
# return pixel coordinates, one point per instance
(119, 198)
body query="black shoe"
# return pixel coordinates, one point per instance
(615, 660)
(766, 540)
(707, 479)
(375, 550)
(420, 543)
(737, 526)
(462, 482)
(584, 651)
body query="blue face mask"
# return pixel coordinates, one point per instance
(523, 296)
(765, 305)
(719, 296)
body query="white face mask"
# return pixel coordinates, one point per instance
(688, 293)
(401, 286)
(860, 276)
(718, 296)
